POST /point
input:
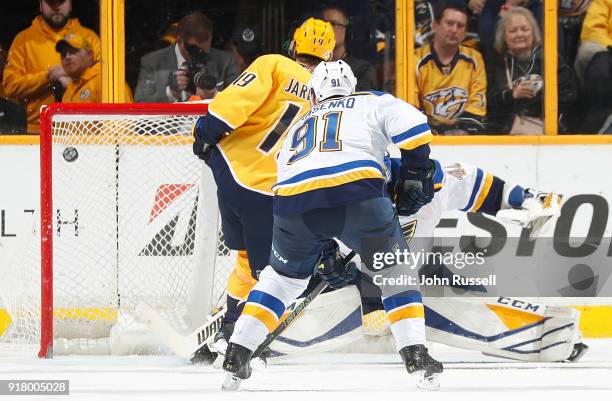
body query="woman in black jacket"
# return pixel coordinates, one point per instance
(515, 77)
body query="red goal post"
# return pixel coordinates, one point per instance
(142, 132)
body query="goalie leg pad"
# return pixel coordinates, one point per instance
(331, 321)
(504, 327)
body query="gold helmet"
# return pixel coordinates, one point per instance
(314, 37)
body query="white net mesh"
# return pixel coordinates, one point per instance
(134, 219)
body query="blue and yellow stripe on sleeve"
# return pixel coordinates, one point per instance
(405, 305)
(264, 307)
(480, 191)
(413, 138)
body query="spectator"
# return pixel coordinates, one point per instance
(515, 79)
(166, 75)
(594, 67)
(84, 72)
(13, 118)
(451, 82)
(33, 75)
(424, 15)
(493, 10)
(571, 17)
(363, 70)
(246, 46)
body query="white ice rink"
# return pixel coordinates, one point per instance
(324, 377)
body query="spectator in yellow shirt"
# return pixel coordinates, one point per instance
(33, 68)
(78, 62)
(85, 73)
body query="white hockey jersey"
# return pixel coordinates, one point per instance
(458, 186)
(334, 155)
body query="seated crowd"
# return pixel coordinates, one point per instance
(479, 64)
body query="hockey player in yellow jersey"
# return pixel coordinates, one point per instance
(451, 82)
(239, 139)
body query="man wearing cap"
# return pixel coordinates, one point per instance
(33, 68)
(83, 70)
(246, 46)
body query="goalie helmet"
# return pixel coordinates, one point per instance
(332, 79)
(314, 37)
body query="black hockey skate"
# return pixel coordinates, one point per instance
(421, 365)
(220, 341)
(238, 365)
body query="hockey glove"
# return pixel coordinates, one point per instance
(200, 148)
(331, 269)
(414, 189)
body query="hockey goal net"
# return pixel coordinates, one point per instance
(127, 214)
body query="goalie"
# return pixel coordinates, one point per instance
(498, 327)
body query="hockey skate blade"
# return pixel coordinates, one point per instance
(231, 382)
(429, 383)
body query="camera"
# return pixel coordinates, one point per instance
(197, 65)
(199, 60)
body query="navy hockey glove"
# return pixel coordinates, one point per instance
(414, 190)
(200, 148)
(331, 269)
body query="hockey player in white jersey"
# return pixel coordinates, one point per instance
(331, 183)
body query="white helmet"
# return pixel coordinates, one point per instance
(334, 78)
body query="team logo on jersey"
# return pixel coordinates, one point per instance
(168, 216)
(408, 230)
(85, 94)
(456, 170)
(447, 103)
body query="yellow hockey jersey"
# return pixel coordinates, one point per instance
(259, 106)
(444, 92)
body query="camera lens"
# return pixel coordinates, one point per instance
(204, 81)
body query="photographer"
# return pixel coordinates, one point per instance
(167, 75)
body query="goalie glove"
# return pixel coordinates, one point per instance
(538, 212)
(331, 269)
(413, 190)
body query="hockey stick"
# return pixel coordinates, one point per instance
(186, 346)
(183, 346)
(297, 311)
(232, 382)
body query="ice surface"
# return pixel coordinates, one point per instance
(373, 377)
